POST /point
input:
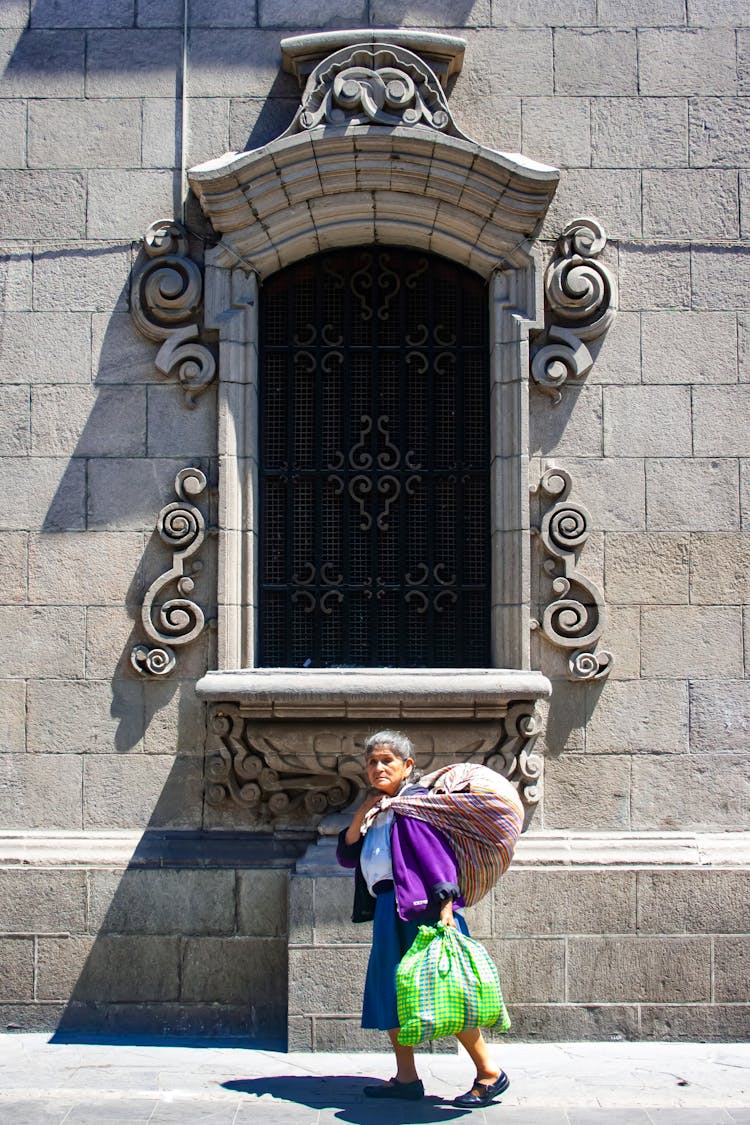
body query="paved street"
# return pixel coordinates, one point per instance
(184, 1082)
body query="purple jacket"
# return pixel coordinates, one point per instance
(425, 872)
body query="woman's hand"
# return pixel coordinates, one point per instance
(446, 914)
(354, 830)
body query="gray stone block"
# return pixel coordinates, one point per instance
(326, 981)
(174, 430)
(744, 204)
(88, 422)
(633, 132)
(623, 637)
(685, 61)
(160, 13)
(743, 346)
(719, 132)
(82, 13)
(731, 969)
(132, 63)
(646, 568)
(647, 421)
(573, 1022)
(84, 132)
(690, 203)
(99, 567)
(720, 716)
(44, 492)
(38, 901)
(119, 201)
(613, 196)
(262, 903)
(654, 277)
(12, 134)
(25, 195)
(563, 717)
(333, 911)
(721, 421)
(47, 638)
(572, 428)
(502, 130)
(22, 360)
(557, 130)
(623, 968)
(641, 13)
(134, 790)
(175, 718)
(617, 358)
(613, 490)
(162, 902)
(40, 791)
(14, 564)
(301, 909)
(332, 1034)
(119, 353)
(33, 1016)
(255, 121)
(595, 62)
(691, 642)
(130, 968)
(558, 13)
(690, 792)
(12, 716)
(743, 61)
(81, 276)
(326, 13)
(15, 419)
(419, 13)
(67, 717)
(707, 1023)
(689, 347)
(696, 494)
(718, 569)
(710, 13)
(479, 919)
(719, 277)
(300, 1033)
(636, 717)
(15, 275)
(588, 793)
(60, 962)
(14, 13)
(127, 494)
(16, 969)
(704, 902)
(245, 64)
(239, 970)
(564, 901)
(514, 62)
(42, 64)
(531, 970)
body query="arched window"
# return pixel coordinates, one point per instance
(374, 463)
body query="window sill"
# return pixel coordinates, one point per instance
(374, 693)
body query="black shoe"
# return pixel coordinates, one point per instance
(409, 1091)
(482, 1094)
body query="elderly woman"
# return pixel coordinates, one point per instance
(406, 876)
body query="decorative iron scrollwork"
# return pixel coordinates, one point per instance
(581, 303)
(179, 620)
(576, 618)
(167, 291)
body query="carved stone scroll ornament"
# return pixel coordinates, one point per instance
(373, 84)
(513, 757)
(178, 620)
(575, 620)
(166, 296)
(581, 303)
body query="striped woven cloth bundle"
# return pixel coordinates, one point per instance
(481, 814)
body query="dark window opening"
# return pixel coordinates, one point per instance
(374, 474)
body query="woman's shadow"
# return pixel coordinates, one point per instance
(343, 1094)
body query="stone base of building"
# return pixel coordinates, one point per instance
(596, 936)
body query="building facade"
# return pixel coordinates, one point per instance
(423, 402)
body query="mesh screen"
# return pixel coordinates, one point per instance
(375, 531)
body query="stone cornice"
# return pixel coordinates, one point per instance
(444, 54)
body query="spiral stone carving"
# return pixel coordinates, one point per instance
(581, 303)
(166, 299)
(514, 758)
(575, 619)
(178, 620)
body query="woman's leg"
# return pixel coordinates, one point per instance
(476, 1045)
(406, 1070)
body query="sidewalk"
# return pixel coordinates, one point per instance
(183, 1082)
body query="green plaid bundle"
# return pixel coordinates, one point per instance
(446, 982)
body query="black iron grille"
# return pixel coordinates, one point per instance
(374, 474)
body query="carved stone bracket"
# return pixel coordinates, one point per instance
(581, 303)
(576, 618)
(179, 620)
(513, 757)
(166, 299)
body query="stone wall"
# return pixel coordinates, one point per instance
(644, 109)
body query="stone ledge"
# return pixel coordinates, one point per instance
(373, 693)
(300, 54)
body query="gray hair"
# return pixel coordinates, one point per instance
(399, 743)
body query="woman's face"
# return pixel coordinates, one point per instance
(386, 771)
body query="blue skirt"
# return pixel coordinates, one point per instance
(391, 937)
